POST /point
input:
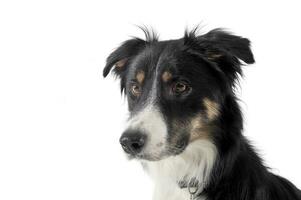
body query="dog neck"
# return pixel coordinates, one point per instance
(191, 166)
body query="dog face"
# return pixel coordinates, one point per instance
(175, 89)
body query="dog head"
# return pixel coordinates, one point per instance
(175, 89)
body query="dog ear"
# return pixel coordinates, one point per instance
(224, 43)
(120, 58)
(223, 50)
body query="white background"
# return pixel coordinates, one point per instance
(60, 121)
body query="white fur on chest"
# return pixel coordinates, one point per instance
(170, 191)
(195, 162)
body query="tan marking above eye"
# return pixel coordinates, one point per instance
(212, 108)
(166, 76)
(140, 76)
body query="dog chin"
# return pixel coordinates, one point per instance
(150, 157)
(153, 157)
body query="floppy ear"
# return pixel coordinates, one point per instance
(223, 50)
(225, 43)
(120, 58)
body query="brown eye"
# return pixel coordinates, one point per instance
(180, 87)
(135, 90)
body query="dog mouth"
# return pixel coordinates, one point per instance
(157, 156)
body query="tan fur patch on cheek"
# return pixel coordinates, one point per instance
(140, 76)
(166, 76)
(212, 108)
(199, 130)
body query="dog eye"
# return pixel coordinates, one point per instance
(135, 90)
(180, 87)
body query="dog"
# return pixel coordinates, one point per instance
(185, 124)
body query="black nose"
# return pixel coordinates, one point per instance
(132, 142)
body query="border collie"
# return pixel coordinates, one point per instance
(185, 124)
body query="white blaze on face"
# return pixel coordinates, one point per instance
(150, 122)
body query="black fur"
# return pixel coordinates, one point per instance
(212, 63)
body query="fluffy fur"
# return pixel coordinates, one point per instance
(198, 157)
(185, 123)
